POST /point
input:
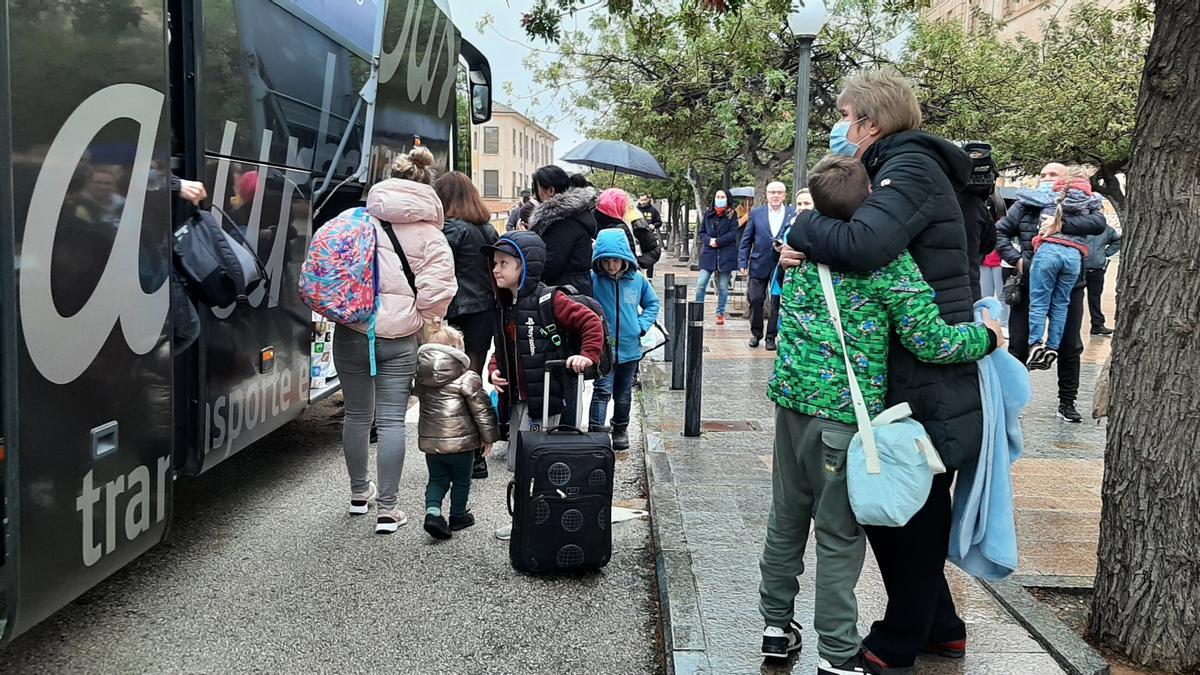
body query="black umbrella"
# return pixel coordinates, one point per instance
(618, 157)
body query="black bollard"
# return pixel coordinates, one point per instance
(695, 370)
(679, 338)
(669, 312)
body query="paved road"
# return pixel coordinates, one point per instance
(266, 572)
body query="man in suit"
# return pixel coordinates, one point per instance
(757, 257)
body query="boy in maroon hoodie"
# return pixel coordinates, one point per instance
(523, 345)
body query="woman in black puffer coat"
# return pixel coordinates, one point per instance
(565, 221)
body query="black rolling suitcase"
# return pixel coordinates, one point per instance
(561, 496)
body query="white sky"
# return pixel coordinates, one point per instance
(506, 57)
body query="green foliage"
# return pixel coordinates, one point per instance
(716, 92)
(1072, 98)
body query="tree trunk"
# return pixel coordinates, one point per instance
(1147, 596)
(696, 181)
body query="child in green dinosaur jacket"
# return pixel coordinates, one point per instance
(814, 419)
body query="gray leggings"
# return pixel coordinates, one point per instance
(382, 399)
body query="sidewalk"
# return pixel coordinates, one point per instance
(710, 497)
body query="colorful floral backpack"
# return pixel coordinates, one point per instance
(339, 279)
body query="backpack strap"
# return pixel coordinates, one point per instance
(408, 272)
(549, 322)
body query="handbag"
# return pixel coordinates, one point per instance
(891, 462)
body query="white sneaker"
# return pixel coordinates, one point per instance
(504, 532)
(387, 522)
(360, 503)
(778, 643)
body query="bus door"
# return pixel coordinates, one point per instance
(274, 112)
(87, 368)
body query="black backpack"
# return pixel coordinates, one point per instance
(564, 346)
(218, 266)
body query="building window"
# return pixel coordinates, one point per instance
(491, 140)
(491, 183)
(514, 142)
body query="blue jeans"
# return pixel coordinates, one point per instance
(1054, 272)
(618, 384)
(722, 288)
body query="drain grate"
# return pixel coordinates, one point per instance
(730, 425)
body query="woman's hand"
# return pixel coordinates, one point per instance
(790, 257)
(498, 382)
(995, 327)
(712, 243)
(192, 191)
(579, 363)
(487, 450)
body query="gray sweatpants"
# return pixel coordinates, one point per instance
(808, 483)
(521, 421)
(382, 400)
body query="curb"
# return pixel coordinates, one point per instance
(1068, 649)
(684, 645)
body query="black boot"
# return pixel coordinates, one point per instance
(480, 469)
(620, 437)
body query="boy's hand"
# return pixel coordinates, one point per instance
(790, 257)
(498, 382)
(487, 450)
(995, 327)
(579, 363)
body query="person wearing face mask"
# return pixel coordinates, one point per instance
(758, 255)
(718, 251)
(913, 207)
(1014, 242)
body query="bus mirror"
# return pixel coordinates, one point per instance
(481, 103)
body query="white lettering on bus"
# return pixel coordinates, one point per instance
(253, 403)
(62, 347)
(137, 508)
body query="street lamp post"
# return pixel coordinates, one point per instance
(806, 20)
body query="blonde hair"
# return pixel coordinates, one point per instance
(439, 332)
(884, 97)
(1055, 226)
(415, 166)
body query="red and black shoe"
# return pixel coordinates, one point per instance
(950, 649)
(877, 666)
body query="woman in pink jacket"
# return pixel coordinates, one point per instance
(416, 216)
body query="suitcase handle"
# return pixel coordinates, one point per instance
(560, 364)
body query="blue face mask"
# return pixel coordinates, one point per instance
(719, 202)
(839, 139)
(1046, 185)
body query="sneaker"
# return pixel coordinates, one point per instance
(1102, 330)
(770, 344)
(1068, 413)
(387, 522)
(778, 643)
(877, 666)
(855, 665)
(950, 649)
(360, 503)
(1036, 354)
(1048, 358)
(753, 342)
(504, 532)
(436, 526)
(479, 470)
(720, 319)
(461, 522)
(620, 437)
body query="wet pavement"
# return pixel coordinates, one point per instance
(265, 572)
(710, 497)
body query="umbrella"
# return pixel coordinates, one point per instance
(618, 157)
(742, 192)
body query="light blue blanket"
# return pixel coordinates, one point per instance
(983, 533)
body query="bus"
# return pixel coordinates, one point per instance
(287, 111)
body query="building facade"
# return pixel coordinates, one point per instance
(505, 152)
(1019, 17)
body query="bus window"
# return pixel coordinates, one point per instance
(462, 124)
